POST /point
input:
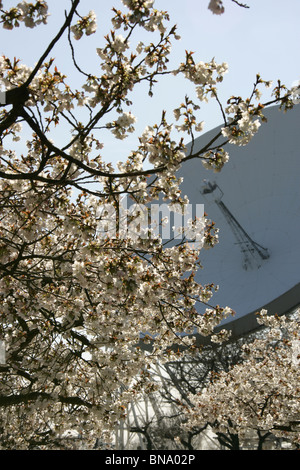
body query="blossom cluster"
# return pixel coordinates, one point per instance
(215, 159)
(123, 125)
(261, 394)
(147, 17)
(241, 130)
(190, 121)
(30, 14)
(86, 24)
(216, 6)
(206, 75)
(295, 90)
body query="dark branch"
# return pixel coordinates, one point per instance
(66, 24)
(32, 396)
(243, 5)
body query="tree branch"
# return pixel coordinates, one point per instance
(17, 399)
(66, 24)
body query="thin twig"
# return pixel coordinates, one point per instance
(53, 42)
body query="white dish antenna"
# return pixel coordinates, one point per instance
(255, 202)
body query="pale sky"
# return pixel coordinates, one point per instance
(263, 39)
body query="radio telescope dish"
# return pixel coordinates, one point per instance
(255, 203)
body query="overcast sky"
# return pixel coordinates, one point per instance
(261, 39)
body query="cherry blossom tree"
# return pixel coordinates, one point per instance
(202, 398)
(78, 300)
(259, 396)
(161, 427)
